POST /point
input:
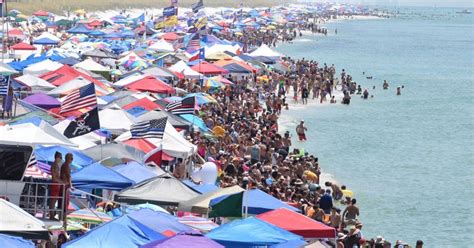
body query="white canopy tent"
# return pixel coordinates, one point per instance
(36, 84)
(266, 51)
(162, 46)
(42, 67)
(18, 222)
(29, 134)
(183, 68)
(91, 65)
(116, 120)
(75, 84)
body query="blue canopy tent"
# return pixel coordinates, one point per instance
(79, 29)
(96, 33)
(252, 232)
(160, 222)
(45, 41)
(97, 176)
(201, 188)
(46, 154)
(134, 171)
(236, 68)
(121, 232)
(69, 61)
(12, 241)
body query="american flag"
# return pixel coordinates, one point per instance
(79, 98)
(32, 169)
(149, 129)
(195, 41)
(185, 106)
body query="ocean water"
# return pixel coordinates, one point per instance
(409, 158)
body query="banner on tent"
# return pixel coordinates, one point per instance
(169, 11)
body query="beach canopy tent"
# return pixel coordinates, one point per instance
(209, 69)
(6, 69)
(144, 103)
(201, 188)
(99, 53)
(183, 68)
(159, 72)
(91, 65)
(66, 73)
(253, 201)
(116, 120)
(22, 46)
(121, 232)
(141, 144)
(17, 222)
(200, 204)
(80, 28)
(196, 121)
(68, 61)
(252, 232)
(161, 222)
(162, 46)
(97, 176)
(266, 51)
(163, 190)
(184, 240)
(136, 171)
(43, 101)
(35, 84)
(46, 38)
(28, 133)
(73, 84)
(198, 223)
(41, 67)
(115, 150)
(12, 241)
(298, 224)
(150, 84)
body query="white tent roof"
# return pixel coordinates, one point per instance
(48, 36)
(183, 68)
(116, 120)
(75, 84)
(35, 83)
(162, 46)
(28, 133)
(129, 56)
(173, 143)
(6, 69)
(15, 219)
(220, 48)
(266, 51)
(91, 65)
(42, 67)
(130, 79)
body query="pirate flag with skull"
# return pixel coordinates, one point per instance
(83, 124)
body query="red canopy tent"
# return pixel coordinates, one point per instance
(41, 13)
(65, 74)
(170, 36)
(94, 23)
(298, 224)
(16, 33)
(144, 103)
(209, 69)
(23, 46)
(150, 84)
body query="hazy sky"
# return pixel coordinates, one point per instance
(439, 3)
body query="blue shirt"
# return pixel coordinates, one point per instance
(325, 202)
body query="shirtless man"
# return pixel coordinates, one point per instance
(351, 212)
(385, 84)
(336, 191)
(318, 214)
(300, 130)
(335, 219)
(55, 188)
(66, 179)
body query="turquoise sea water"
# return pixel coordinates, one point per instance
(409, 158)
